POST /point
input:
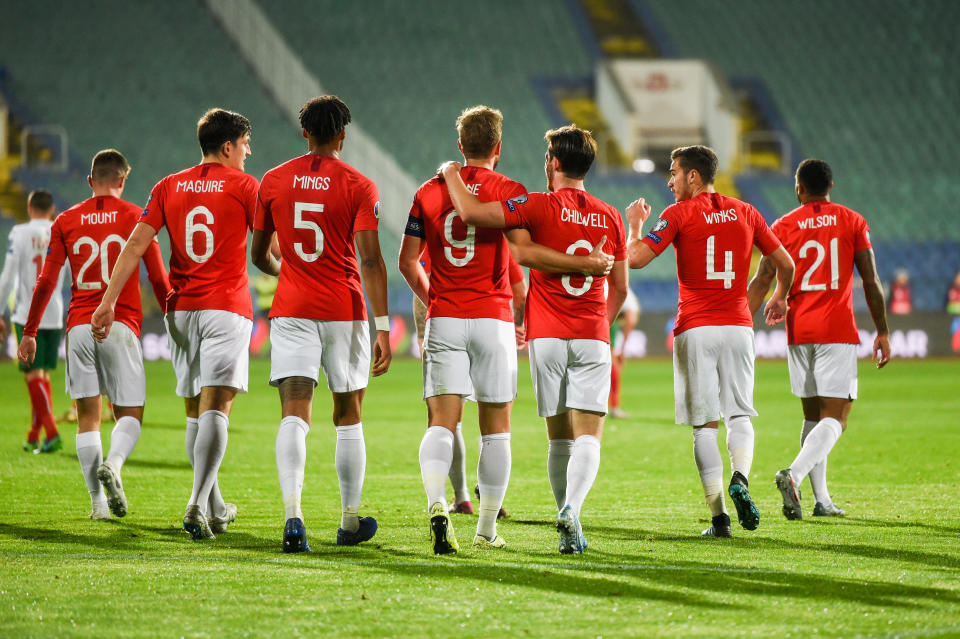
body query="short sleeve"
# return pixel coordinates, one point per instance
(663, 232)
(367, 212)
(512, 189)
(263, 220)
(521, 211)
(862, 238)
(415, 219)
(153, 212)
(620, 249)
(763, 237)
(250, 199)
(57, 250)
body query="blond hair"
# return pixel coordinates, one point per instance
(479, 128)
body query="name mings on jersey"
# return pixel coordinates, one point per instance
(316, 182)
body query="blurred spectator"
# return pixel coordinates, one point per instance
(953, 296)
(900, 299)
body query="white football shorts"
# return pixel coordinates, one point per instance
(301, 347)
(113, 368)
(209, 348)
(713, 374)
(570, 373)
(476, 356)
(823, 370)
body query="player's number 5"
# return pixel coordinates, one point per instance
(300, 223)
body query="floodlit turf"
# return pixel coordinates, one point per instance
(890, 568)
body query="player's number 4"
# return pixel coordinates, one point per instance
(727, 274)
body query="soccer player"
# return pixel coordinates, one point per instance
(826, 241)
(470, 343)
(568, 315)
(26, 251)
(713, 348)
(208, 210)
(91, 235)
(319, 207)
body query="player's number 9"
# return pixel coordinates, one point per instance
(468, 243)
(101, 250)
(587, 281)
(300, 223)
(193, 227)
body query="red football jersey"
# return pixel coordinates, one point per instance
(91, 235)
(714, 237)
(572, 306)
(208, 211)
(469, 265)
(822, 237)
(315, 204)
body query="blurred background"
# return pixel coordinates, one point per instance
(870, 86)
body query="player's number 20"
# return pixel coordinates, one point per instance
(101, 250)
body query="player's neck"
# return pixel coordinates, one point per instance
(485, 163)
(560, 181)
(813, 200)
(331, 149)
(706, 188)
(106, 191)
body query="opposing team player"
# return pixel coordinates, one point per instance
(26, 250)
(319, 207)
(713, 349)
(826, 241)
(568, 315)
(91, 235)
(470, 343)
(208, 210)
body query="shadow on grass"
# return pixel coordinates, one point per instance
(165, 465)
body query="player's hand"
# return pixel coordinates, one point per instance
(619, 358)
(447, 167)
(881, 345)
(598, 262)
(638, 212)
(381, 354)
(775, 311)
(27, 350)
(521, 335)
(101, 321)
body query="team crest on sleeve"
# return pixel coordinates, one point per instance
(146, 208)
(376, 210)
(514, 202)
(659, 226)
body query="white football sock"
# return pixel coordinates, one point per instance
(493, 474)
(90, 454)
(122, 440)
(436, 453)
(458, 467)
(817, 474)
(816, 447)
(208, 451)
(214, 505)
(291, 460)
(582, 470)
(558, 457)
(351, 463)
(710, 465)
(740, 444)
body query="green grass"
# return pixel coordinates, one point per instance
(890, 568)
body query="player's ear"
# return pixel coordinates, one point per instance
(90, 181)
(305, 134)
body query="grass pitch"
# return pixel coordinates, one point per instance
(890, 568)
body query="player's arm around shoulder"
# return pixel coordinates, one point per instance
(127, 263)
(374, 274)
(866, 265)
(468, 206)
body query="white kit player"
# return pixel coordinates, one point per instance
(90, 236)
(713, 348)
(826, 240)
(208, 211)
(568, 315)
(324, 214)
(26, 251)
(470, 342)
